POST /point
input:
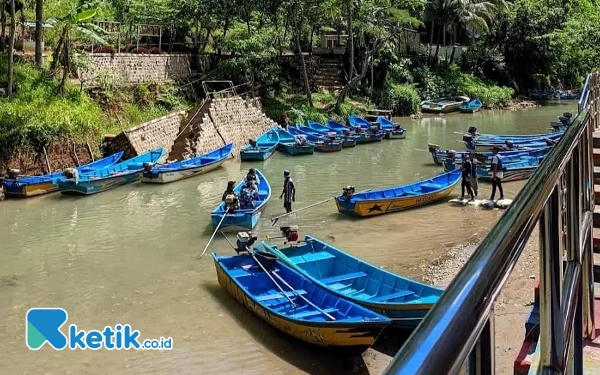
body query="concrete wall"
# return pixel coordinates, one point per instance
(138, 68)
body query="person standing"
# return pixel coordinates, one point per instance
(289, 191)
(467, 170)
(474, 182)
(497, 174)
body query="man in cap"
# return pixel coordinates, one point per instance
(289, 191)
(497, 173)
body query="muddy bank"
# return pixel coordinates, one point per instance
(511, 308)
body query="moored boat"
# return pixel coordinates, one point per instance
(515, 138)
(443, 105)
(403, 197)
(261, 149)
(321, 144)
(242, 219)
(30, 186)
(110, 177)
(302, 308)
(471, 107)
(520, 170)
(346, 130)
(292, 145)
(403, 300)
(454, 160)
(394, 131)
(179, 170)
(439, 155)
(323, 131)
(482, 146)
(373, 132)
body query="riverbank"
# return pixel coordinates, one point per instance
(510, 310)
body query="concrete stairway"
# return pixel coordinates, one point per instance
(329, 76)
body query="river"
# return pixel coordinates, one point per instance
(130, 255)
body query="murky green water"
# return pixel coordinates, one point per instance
(130, 255)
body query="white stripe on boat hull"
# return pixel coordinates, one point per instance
(172, 176)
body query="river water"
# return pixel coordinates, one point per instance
(130, 255)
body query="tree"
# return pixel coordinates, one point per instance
(77, 21)
(296, 11)
(11, 48)
(3, 24)
(39, 32)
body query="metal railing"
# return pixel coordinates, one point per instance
(559, 197)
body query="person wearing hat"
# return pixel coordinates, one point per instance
(230, 197)
(289, 191)
(251, 176)
(497, 173)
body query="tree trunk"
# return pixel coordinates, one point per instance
(11, 49)
(3, 25)
(66, 63)
(23, 23)
(430, 49)
(56, 55)
(351, 83)
(437, 47)
(39, 15)
(302, 62)
(350, 39)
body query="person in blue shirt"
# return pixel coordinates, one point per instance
(247, 196)
(252, 177)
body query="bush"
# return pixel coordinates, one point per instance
(491, 96)
(403, 100)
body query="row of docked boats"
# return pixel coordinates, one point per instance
(461, 104)
(329, 137)
(320, 294)
(554, 94)
(109, 173)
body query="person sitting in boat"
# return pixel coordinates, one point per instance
(252, 177)
(252, 144)
(300, 140)
(248, 195)
(230, 197)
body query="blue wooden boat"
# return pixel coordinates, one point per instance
(438, 155)
(322, 145)
(515, 138)
(321, 130)
(453, 161)
(292, 146)
(443, 105)
(372, 132)
(471, 107)
(382, 201)
(265, 146)
(179, 170)
(110, 177)
(346, 130)
(241, 220)
(30, 186)
(403, 300)
(489, 145)
(353, 327)
(394, 131)
(515, 171)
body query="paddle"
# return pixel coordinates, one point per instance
(272, 279)
(213, 235)
(301, 296)
(276, 218)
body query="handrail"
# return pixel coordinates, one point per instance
(461, 322)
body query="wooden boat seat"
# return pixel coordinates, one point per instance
(280, 295)
(310, 257)
(428, 188)
(307, 314)
(387, 297)
(349, 276)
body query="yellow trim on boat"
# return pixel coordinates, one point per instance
(31, 190)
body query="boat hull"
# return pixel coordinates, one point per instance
(236, 223)
(469, 110)
(346, 143)
(257, 155)
(329, 147)
(99, 185)
(13, 189)
(349, 336)
(165, 177)
(292, 149)
(384, 206)
(508, 175)
(374, 137)
(397, 135)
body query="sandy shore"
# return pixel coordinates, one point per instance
(511, 308)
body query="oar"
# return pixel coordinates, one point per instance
(215, 232)
(301, 296)
(274, 219)
(273, 280)
(420, 149)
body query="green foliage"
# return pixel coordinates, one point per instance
(403, 100)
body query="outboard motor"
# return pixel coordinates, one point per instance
(252, 142)
(71, 174)
(13, 173)
(565, 118)
(332, 136)
(244, 241)
(472, 130)
(290, 233)
(433, 148)
(509, 144)
(468, 138)
(231, 203)
(374, 129)
(148, 167)
(348, 191)
(346, 132)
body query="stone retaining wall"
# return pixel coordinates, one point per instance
(139, 68)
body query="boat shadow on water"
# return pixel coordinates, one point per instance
(311, 359)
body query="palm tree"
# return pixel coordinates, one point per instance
(78, 20)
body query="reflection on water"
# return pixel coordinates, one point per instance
(130, 255)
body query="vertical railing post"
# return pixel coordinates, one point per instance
(551, 325)
(483, 357)
(589, 326)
